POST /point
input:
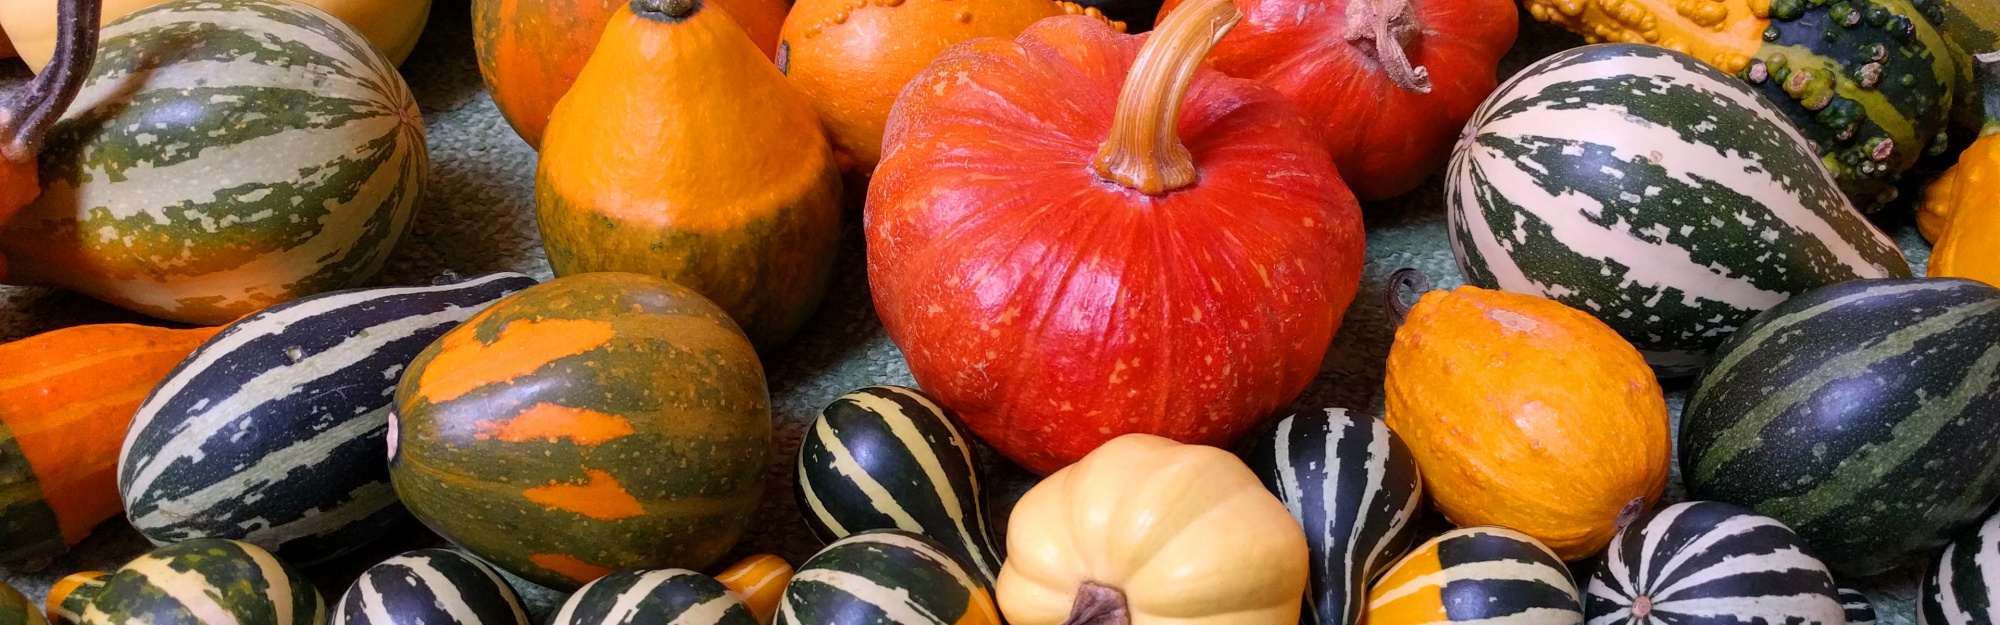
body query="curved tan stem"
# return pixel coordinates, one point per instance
(28, 113)
(1144, 151)
(1382, 28)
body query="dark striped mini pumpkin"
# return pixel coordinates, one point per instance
(655, 597)
(1492, 575)
(430, 587)
(887, 457)
(1708, 563)
(1647, 188)
(272, 431)
(206, 581)
(1860, 611)
(886, 577)
(594, 423)
(225, 156)
(1354, 487)
(16, 609)
(1861, 415)
(1962, 586)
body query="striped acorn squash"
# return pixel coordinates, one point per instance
(1871, 83)
(886, 577)
(888, 457)
(1354, 487)
(1648, 189)
(593, 423)
(272, 432)
(1963, 583)
(69, 595)
(1704, 561)
(1492, 575)
(666, 596)
(66, 398)
(16, 609)
(206, 581)
(224, 156)
(1860, 415)
(1860, 611)
(431, 587)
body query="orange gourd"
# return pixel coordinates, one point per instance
(65, 398)
(852, 57)
(1961, 210)
(27, 113)
(1526, 414)
(682, 154)
(760, 581)
(530, 51)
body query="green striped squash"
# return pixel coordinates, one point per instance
(206, 581)
(1862, 415)
(666, 596)
(430, 587)
(888, 457)
(886, 577)
(71, 594)
(1645, 187)
(1963, 583)
(224, 156)
(16, 609)
(1709, 563)
(590, 424)
(1483, 575)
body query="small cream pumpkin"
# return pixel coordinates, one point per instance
(1147, 531)
(392, 25)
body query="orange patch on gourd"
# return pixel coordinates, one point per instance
(524, 346)
(979, 610)
(568, 566)
(546, 421)
(601, 498)
(1425, 605)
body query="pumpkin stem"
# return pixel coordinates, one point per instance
(1988, 67)
(666, 10)
(1382, 29)
(1098, 604)
(1630, 512)
(29, 111)
(1144, 152)
(1405, 278)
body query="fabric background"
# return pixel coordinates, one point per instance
(479, 217)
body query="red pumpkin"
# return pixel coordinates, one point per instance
(1389, 112)
(1063, 263)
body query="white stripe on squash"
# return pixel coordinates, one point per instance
(905, 431)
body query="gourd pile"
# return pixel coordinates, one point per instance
(1112, 258)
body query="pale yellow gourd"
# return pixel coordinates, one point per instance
(392, 25)
(1147, 531)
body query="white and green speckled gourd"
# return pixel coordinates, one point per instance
(225, 155)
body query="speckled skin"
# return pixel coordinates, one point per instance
(478, 217)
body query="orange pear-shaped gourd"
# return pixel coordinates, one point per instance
(682, 153)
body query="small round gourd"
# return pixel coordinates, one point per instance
(1963, 583)
(206, 581)
(638, 597)
(1860, 610)
(431, 587)
(1484, 574)
(880, 571)
(1706, 560)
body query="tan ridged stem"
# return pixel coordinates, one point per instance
(1144, 152)
(1382, 29)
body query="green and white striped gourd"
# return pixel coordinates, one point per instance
(1861, 415)
(649, 597)
(1354, 487)
(71, 594)
(430, 587)
(1860, 611)
(224, 156)
(1709, 563)
(206, 581)
(16, 609)
(1481, 575)
(888, 457)
(1963, 583)
(886, 577)
(1649, 189)
(273, 432)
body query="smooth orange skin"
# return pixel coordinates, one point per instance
(852, 57)
(1527, 414)
(1967, 203)
(67, 396)
(530, 51)
(759, 581)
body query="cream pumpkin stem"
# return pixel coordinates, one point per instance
(1144, 152)
(31, 110)
(1404, 279)
(1382, 29)
(1098, 604)
(666, 10)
